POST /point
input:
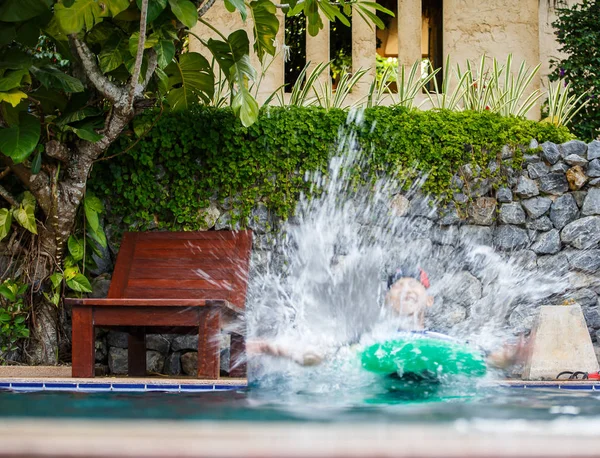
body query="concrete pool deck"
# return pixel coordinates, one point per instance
(121, 439)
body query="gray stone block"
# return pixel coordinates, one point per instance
(595, 182)
(593, 150)
(575, 159)
(449, 215)
(559, 167)
(118, 339)
(504, 195)
(185, 342)
(466, 289)
(512, 213)
(526, 259)
(536, 206)
(554, 183)
(573, 147)
(189, 363)
(476, 235)
(445, 235)
(547, 243)
(550, 152)
(564, 210)
(158, 343)
(556, 263)
(585, 260)
(509, 238)
(540, 224)
(591, 204)
(155, 362)
(593, 170)
(579, 197)
(582, 233)
(117, 360)
(527, 187)
(101, 350)
(173, 364)
(537, 169)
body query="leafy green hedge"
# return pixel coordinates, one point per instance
(187, 158)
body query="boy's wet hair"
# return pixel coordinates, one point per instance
(409, 272)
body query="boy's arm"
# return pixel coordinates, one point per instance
(261, 347)
(510, 354)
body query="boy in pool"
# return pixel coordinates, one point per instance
(407, 299)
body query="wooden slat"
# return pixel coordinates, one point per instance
(123, 265)
(176, 293)
(179, 273)
(196, 235)
(150, 302)
(146, 316)
(243, 249)
(208, 343)
(189, 263)
(184, 253)
(168, 284)
(160, 244)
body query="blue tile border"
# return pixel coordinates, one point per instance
(116, 387)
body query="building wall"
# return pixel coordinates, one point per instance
(472, 28)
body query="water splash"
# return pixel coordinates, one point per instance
(323, 289)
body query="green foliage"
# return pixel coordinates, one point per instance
(13, 315)
(170, 176)
(578, 33)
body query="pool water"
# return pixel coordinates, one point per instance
(422, 404)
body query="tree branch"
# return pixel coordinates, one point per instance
(8, 197)
(100, 82)
(38, 184)
(202, 11)
(152, 63)
(135, 77)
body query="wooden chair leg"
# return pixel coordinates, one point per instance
(82, 342)
(209, 351)
(136, 356)
(237, 356)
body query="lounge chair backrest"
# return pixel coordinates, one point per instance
(182, 265)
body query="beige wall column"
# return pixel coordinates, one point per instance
(317, 49)
(409, 31)
(363, 54)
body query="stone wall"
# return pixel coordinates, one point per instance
(545, 218)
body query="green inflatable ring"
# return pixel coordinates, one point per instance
(423, 357)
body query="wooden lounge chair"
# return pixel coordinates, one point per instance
(183, 282)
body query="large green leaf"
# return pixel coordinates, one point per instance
(92, 207)
(134, 39)
(28, 33)
(185, 11)
(50, 100)
(5, 222)
(25, 216)
(85, 133)
(80, 283)
(83, 14)
(18, 141)
(78, 115)
(14, 97)
(15, 59)
(53, 78)
(245, 107)
(313, 19)
(112, 55)
(234, 61)
(190, 78)
(155, 7)
(75, 248)
(21, 10)
(165, 49)
(12, 79)
(239, 5)
(265, 27)
(116, 6)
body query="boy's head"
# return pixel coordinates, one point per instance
(407, 293)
